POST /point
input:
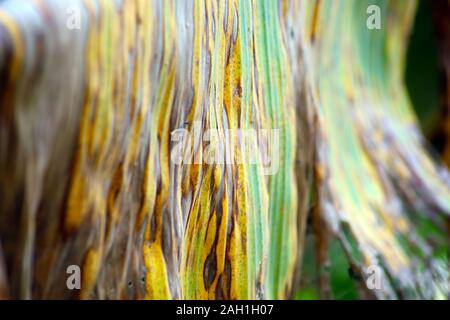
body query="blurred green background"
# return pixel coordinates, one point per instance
(422, 80)
(422, 73)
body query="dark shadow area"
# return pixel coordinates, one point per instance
(422, 71)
